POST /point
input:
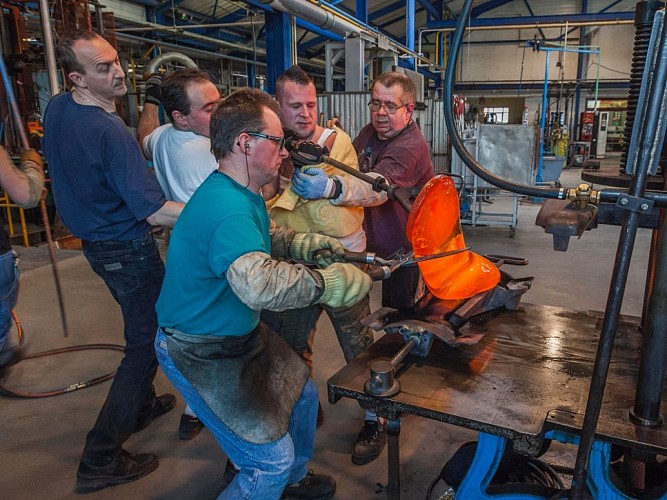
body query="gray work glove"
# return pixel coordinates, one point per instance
(307, 247)
(153, 93)
(344, 285)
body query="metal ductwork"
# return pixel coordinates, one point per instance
(316, 15)
(155, 63)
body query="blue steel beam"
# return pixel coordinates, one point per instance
(530, 20)
(361, 10)
(386, 10)
(279, 37)
(530, 11)
(428, 7)
(486, 7)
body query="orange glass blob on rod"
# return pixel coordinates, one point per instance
(434, 227)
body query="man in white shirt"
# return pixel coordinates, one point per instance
(180, 151)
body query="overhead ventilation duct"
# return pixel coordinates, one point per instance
(155, 63)
(316, 15)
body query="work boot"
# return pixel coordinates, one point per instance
(125, 468)
(189, 427)
(370, 443)
(313, 486)
(163, 404)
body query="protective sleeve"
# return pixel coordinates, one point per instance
(358, 193)
(35, 177)
(261, 282)
(281, 239)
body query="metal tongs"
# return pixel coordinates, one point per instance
(387, 266)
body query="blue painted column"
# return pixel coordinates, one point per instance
(361, 10)
(280, 46)
(410, 30)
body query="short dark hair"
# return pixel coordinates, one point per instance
(394, 78)
(175, 86)
(65, 50)
(294, 74)
(241, 111)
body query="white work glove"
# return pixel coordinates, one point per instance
(344, 285)
(307, 247)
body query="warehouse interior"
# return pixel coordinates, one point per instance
(550, 119)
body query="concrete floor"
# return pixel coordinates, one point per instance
(42, 438)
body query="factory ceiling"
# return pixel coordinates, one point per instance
(237, 29)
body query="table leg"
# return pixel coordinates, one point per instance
(394, 475)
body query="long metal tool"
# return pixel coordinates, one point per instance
(47, 227)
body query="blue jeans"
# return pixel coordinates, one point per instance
(265, 469)
(133, 272)
(9, 291)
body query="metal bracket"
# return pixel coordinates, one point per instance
(635, 204)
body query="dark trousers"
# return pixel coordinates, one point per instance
(133, 272)
(398, 291)
(297, 328)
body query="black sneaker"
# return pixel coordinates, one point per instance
(370, 443)
(163, 404)
(313, 486)
(230, 472)
(320, 416)
(189, 427)
(125, 468)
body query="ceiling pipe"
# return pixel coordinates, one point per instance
(327, 18)
(200, 53)
(49, 49)
(317, 15)
(192, 26)
(181, 31)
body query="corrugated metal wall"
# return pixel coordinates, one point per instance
(353, 114)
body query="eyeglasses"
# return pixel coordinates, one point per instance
(279, 140)
(389, 107)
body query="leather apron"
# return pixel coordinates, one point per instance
(250, 382)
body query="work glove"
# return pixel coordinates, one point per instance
(307, 153)
(312, 183)
(31, 155)
(308, 248)
(290, 138)
(153, 93)
(344, 285)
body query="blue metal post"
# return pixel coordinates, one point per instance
(538, 177)
(279, 38)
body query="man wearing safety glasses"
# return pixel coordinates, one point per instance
(393, 146)
(243, 381)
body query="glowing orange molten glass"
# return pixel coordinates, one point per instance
(434, 227)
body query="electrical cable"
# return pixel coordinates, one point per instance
(70, 388)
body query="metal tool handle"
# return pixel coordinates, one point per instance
(507, 259)
(358, 257)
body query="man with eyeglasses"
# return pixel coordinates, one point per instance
(393, 147)
(318, 210)
(243, 381)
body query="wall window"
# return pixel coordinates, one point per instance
(496, 115)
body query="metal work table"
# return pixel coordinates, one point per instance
(610, 176)
(528, 375)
